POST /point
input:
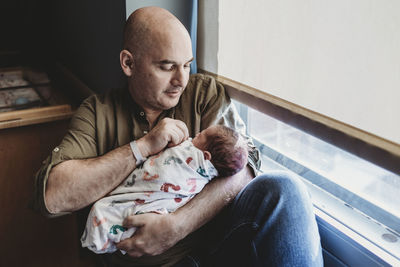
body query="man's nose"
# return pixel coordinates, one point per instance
(179, 77)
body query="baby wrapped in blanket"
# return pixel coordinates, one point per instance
(163, 183)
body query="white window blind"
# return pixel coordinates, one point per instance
(338, 58)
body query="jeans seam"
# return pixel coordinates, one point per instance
(255, 260)
(194, 261)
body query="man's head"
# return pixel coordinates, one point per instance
(156, 58)
(224, 147)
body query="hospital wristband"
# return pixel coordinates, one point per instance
(136, 153)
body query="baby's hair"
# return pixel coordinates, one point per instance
(228, 151)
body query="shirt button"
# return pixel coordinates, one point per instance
(141, 113)
(56, 149)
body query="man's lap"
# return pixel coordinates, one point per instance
(267, 218)
(269, 207)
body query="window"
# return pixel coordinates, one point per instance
(358, 194)
(282, 143)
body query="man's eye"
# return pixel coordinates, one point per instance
(167, 67)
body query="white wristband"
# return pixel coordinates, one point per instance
(136, 153)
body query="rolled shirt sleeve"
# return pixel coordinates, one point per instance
(78, 143)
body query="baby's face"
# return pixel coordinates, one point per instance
(201, 139)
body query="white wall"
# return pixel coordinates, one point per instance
(340, 58)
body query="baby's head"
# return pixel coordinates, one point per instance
(224, 147)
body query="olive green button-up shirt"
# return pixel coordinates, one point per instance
(105, 122)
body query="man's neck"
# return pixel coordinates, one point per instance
(151, 117)
(151, 114)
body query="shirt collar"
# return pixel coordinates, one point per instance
(138, 112)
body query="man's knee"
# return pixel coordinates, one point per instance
(274, 192)
(279, 183)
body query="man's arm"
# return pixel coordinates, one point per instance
(157, 233)
(75, 184)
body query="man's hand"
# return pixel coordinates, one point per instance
(168, 132)
(155, 234)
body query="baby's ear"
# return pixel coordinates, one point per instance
(207, 155)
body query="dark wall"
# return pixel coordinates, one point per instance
(13, 18)
(23, 30)
(85, 36)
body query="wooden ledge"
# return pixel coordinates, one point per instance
(34, 116)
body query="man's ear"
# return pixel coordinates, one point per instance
(207, 155)
(126, 61)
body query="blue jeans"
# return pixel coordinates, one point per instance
(270, 223)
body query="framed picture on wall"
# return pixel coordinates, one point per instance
(12, 78)
(19, 98)
(17, 90)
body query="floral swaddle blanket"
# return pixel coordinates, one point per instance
(162, 184)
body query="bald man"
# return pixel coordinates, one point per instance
(111, 134)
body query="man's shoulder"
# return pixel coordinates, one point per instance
(106, 100)
(200, 79)
(201, 90)
(203, 85)
(107, 107)
(108, 116)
